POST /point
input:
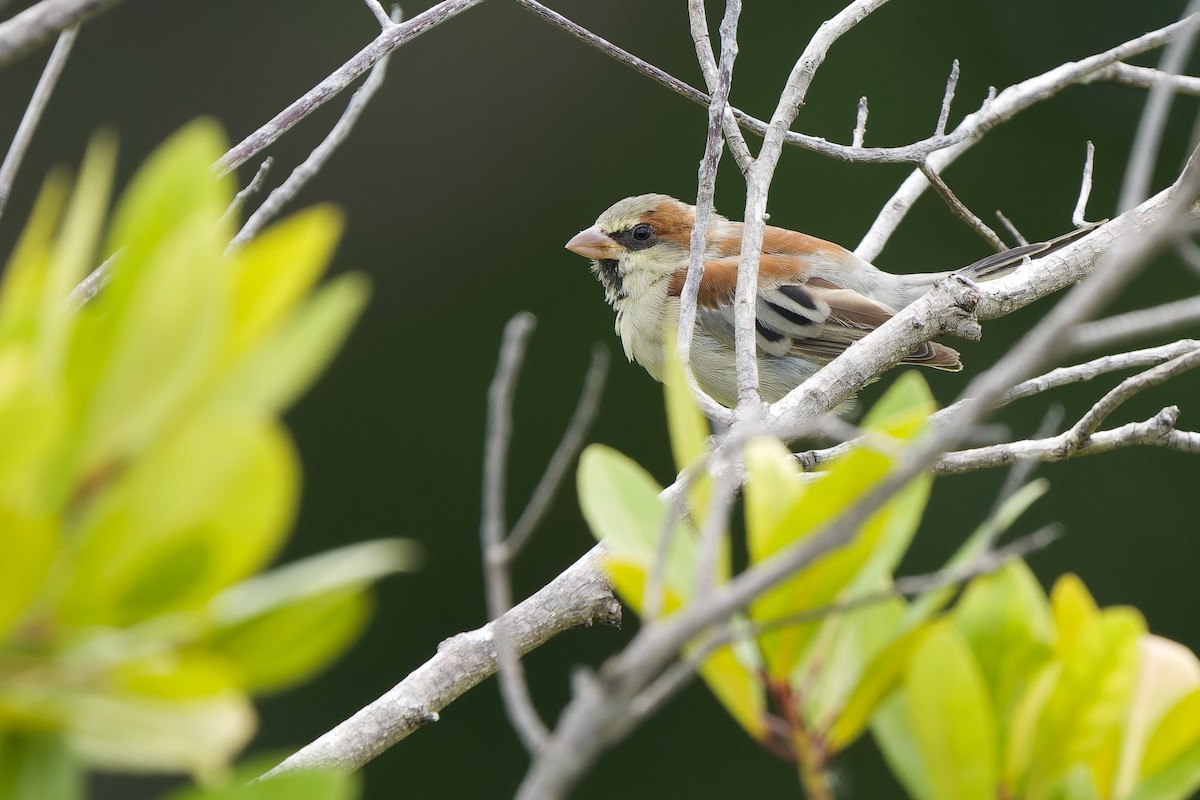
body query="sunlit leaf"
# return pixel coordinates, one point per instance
(891, 727)
(738, 688)
(297, 785)
(688, 427)
(276, 268)
(204, 509)
(1073, 608)
(29, 547)
(1023, 726)
(1175, 737)
(878, 681)
(1090, 698)
(272, 375)
(1005, 618)
(22, 280)
(145, 734)
(952, 718)
(621, 505)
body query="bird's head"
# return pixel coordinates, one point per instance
(637, 243)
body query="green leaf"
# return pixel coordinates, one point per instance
(22, 280)
(1074, 611)
(302, 785)
(878, 681)
(621, 505)
(689, 434)
(29, 547)
(202, 510)
(861, 565)
(1005, 618)
(1091, 696)
(772, 490)
(1023, 728)
(283, 647)
(891, 726)
(131, 732)
(269, 377)
(276, 269)
(38, 766)
(1176, 738)
(952, 718)
(737, 686)
(836, 664)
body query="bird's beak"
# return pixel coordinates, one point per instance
(593, 243)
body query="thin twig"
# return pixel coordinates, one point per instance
(706, 186)
(860, 123)
(1090, 422)
(698, 23)
(252, 188)
(1144, 152)
(41, 22)
(568, 447)
(381, 16)
(1018, 237)
(301, 175)
(947, 99)
(1085, 187)
(996, 109)
(1147, 78)
(90, 286)
(33, 112)
(387, 41)
(1143, 322)
(960, 208)
(1158, 431)
(513, 688)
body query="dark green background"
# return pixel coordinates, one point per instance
(494, 139)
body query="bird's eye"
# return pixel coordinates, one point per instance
(643, 232)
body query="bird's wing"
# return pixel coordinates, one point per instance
(814, 319)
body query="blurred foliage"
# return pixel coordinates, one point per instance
(145, 477)
(1005, 694)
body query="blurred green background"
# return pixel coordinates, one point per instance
(493, 140)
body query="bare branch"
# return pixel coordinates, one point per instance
(947, 99)
(381, 16)
(713, 78)
(387, 41)
(1085, 187)
(513, 688)
(302, 174)
(42, 21)
(580, 597)
(90, 286)
(1146, 321)
(33, 112)
(996, 110)
(960, 208)
(706, 181)
(1063, 376)
(1147, 78)
(1090, 422)
(1158, 431)
(1144, 154)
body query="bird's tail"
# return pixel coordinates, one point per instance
(997, 265)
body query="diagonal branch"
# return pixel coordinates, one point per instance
(41, 22)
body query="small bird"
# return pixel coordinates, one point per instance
(815, 298)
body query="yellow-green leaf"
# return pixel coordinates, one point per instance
(1177, 732)
(202, 510)
(38, 765)
(29, 547)
(621, 505)
(1073, 608)
(952, 718)
(275, 269)
(738, 688)
(269, 377)
(1091, 697)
